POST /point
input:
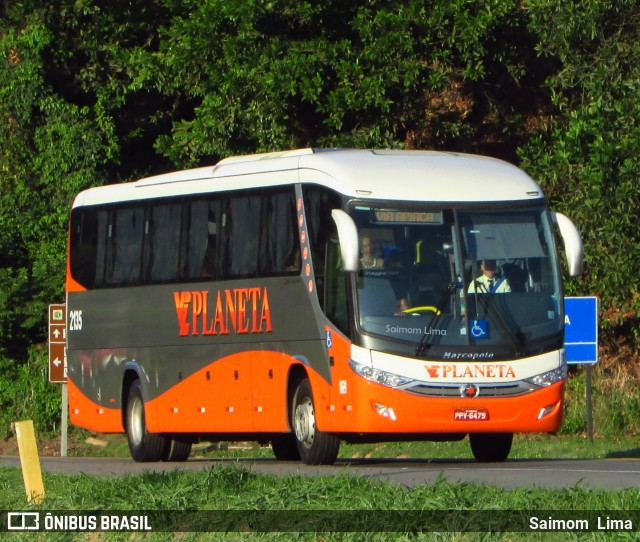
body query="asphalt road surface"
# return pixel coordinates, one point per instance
(516, 473)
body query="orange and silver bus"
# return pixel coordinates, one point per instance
(314, 296)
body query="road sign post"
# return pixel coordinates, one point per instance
(58, 363)
(581, 330)
(581, 341)
(57, 343)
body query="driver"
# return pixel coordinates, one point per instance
(489, 282)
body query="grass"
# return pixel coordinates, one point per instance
(318, 508)
(231, 502)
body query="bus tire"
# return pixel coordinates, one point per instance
(176, 450)
(491, 447)
(144, 446)
(315, 447)
(285, 447)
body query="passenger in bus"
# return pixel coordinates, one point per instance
(367, 258)
(294, 264)
(209, 260)
(403, 305)
(489, 282)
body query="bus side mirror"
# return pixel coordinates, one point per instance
(348, 236)
(572, 243)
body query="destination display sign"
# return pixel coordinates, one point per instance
(398, 217)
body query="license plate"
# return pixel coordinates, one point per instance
(471, 414)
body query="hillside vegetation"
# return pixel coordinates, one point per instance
(95, 92)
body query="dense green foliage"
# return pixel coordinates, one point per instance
(26, 394)
(588, 157)
(96, 91)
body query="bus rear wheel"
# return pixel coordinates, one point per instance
(316, 447)
(491, 447)
(176, 450)
(144, 446)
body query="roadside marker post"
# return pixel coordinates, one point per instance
(581, 342)
(58, 364)
(58, 343)
(30, 461)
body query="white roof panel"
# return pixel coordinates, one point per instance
(424, 175)
(372, 174)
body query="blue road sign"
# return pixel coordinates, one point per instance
(581, 329)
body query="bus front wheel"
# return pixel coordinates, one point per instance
(316, 447)
(144, 446)
(490, 447)
(285, 447)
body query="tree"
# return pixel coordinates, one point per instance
(588, 157)
(96, 91)
(262, 76)
(63, 95)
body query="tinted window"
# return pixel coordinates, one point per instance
(242, 229)
(241, 234)
(163, 241)
(280, 249)
(88, 229)
(126, 233)
(318, 204)
(203, 224)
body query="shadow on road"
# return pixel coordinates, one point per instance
(633, 453)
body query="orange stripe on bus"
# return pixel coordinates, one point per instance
(71, 284)
(242, 392)
(83, 412)
(371, 407)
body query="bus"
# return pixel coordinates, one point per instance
(313, 296)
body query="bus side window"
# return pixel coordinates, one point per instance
(101, 248)
(201, 233)
(126, 240)
(163, 237)
(242, 235)
(210, 263)
(336, 302)
(318, 203)
(87, 248)
(280, 248)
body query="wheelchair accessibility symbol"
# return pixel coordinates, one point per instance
(329, 340)
(479, 329)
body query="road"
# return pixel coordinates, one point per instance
(516, 473)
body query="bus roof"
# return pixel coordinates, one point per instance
(371, 174)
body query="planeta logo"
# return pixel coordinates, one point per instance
(470, 371)
(238, 311)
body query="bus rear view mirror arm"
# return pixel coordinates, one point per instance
(348, 236)
(572, 243)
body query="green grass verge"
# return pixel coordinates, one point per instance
(310, 504)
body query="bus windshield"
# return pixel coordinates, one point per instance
(455, 277)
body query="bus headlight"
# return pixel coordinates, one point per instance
(548, 378)
(380, 377)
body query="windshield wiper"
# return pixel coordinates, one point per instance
(516, 338)
(424, 342)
